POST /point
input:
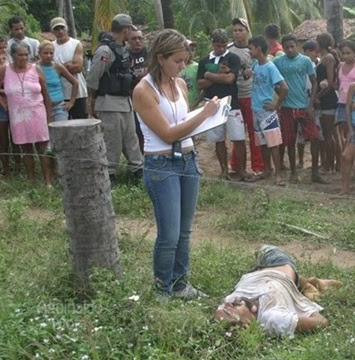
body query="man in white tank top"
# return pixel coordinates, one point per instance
(69, 52)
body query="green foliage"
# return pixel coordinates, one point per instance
(48, 11)
(264, 218)
(131, 200)
(204, 44)
(42, 316)
(349, 12)
(104, 11)
(84, 15)
(21, 8)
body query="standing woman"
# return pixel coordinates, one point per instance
(4, 118)
(29, 108)
(346, 76)
(348, 156)
(52, 74)
(326, 95)
(171, 171)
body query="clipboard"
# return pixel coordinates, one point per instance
(211, 122)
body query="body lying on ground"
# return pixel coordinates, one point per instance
(272, 295)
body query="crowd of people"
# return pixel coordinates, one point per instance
(279, 96)
(285, 98)
(281, 99)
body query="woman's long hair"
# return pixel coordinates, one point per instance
(166, 43)
(326, 42)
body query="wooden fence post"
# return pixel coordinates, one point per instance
(82, 169)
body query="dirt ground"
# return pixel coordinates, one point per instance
(211, 169)
(310, 252)
(202, 234)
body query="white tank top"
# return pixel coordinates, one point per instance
(175, 113)
(62, 54)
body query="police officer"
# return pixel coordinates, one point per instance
(110, 85)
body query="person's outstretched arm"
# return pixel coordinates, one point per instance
(315, 322)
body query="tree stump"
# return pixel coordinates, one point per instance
(82, 169)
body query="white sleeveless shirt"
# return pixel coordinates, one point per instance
(175, 113)
(62, 54)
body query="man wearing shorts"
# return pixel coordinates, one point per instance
(310, 49)
(297, 108)
(266, 78)
(216, 75)
(240, 47)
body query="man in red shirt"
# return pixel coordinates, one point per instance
(272, 35)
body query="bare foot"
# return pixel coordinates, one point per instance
(318, 179)
(244, 176)
(261, 175)
(294, 178)
(284, 167)
(280, 181)
(225, 175)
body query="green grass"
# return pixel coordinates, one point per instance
(259, 216)
(41, 314)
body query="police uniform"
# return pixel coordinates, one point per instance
(115, 112)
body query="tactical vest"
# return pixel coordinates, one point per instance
(118, 79)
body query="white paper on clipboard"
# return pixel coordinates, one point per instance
(211, 122)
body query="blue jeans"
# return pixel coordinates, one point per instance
(269, 256)
(59, 113)
(172, 185)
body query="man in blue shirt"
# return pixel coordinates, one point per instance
(297, 107)
(266, 79)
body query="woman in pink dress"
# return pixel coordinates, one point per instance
(4, 118)
(29, 108)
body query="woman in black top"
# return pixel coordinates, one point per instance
(326, 95)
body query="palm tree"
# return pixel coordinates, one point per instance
(206, 15)
(286, 13)
(105, 10)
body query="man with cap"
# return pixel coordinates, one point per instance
(139, 55)
(69, 52)
(17, 32)
(110, 85)
(240, 47)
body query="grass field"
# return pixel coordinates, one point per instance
(42, 317)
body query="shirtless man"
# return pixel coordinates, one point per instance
(271, 295)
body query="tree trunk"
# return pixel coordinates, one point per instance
(333, 11)
(69, 17)
(159, 12)
(60, 7)
(82, 169)
(168, 14)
